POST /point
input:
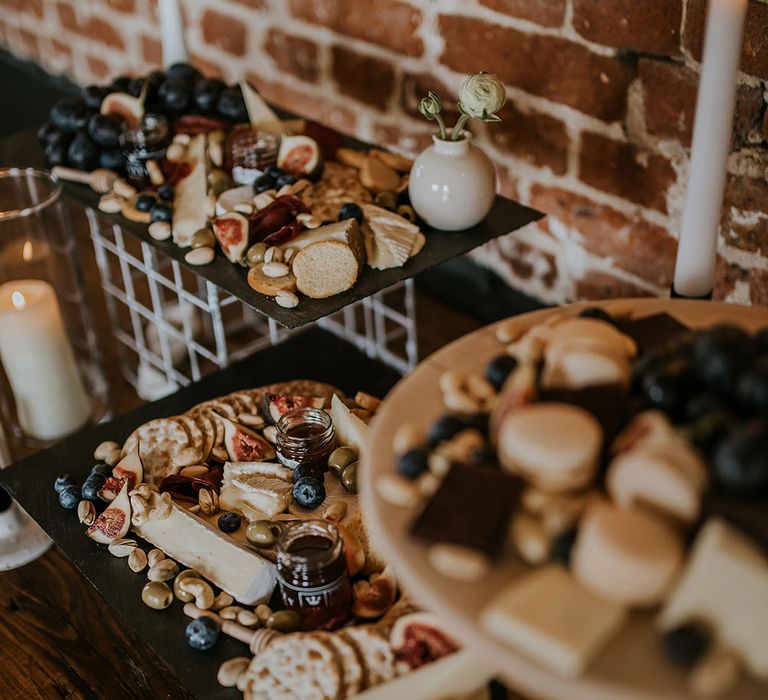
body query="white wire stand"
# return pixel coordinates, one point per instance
(173, 326)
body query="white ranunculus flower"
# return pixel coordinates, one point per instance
(481, 95)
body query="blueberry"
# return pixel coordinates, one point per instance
(165, 192)
(207, 93)
(69, 497)
(752, 387)
(445, 428)
(56, 153)
(263, 183)
(93, 96)
(92, 485)
(175, 95)
(69, 115)
(308, 469)
(136, 86)
(562, 546)
(413, 463)
(309, 492)
(597, 313)
(105, 130)
(231, 105)
(273, 171)
(350, 210)
(101, 468)
(669, 385)
(230, 522)
(145, 202)
(286, 179)
(83, 153)
(161, 212)
(184, 71)
(202, 633)
(720, 354)
(740, 460)
(112, 159)
(63, 481)
(499, 368)
(121, 84)
(685, 645)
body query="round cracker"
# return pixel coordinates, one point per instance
(160, 440)
(375, 651)
(351, 663)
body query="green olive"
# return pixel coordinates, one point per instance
(261, 533)
(340, 458)
(407, 212)
(284, 621)
(349, 477)
(183, 595)
(203, 238)
(386, 199)
(255, 254)
(218, 181)
(157, 595)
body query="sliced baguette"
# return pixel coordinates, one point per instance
(325, 268)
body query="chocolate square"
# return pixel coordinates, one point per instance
(652, 331)
(606, 402)
(471, 507)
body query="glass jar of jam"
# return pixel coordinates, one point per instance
(305, 436)
(312, 573)
(148, 141)
(250, 151)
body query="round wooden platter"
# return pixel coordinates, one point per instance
(630, 667)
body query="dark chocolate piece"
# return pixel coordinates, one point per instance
(606, 402)
(748, 515)
(471, 507)
(653, 331)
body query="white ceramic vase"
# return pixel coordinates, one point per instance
(452, 184)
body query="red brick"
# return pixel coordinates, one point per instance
(86, 25)
(127, 6)
(392, 24)
(508, 182)
(727, 275)
(748, 116)
(24, 7)
(224, 31)
(417, 85)
(293, 54)
(626, 171)
(754, 50)
(551, 67)
(151, 50)
(324, 111)
(652, 26)
(597, 284)
(61, 49)
(745, 214)
(634, 245)
(255, 4)
(669, 91)
(758, 287)
(534, 137)
(365, 78)
(98, 70)
(206, 66)
(398, 138)
(549, 13)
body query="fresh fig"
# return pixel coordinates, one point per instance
(130, 108)
(231, 231)
(275, 405)
(243, 445)
(299, 155)
(419, 638)
(114, 522)
(128, 470)
(374, 597)
(353, 551)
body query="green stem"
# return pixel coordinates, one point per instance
(441, 126)
(459, 126)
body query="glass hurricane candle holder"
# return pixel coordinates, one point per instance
(51, 379)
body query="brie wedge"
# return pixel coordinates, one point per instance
(191, 193)
(350, 430)
(259, 114)
(255, 489)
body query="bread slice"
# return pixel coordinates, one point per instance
(270, 286)
(325, 268)
(346, 231)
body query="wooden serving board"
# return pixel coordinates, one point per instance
(631, 667)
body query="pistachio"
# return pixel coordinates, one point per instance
(137, 560)
(203, 237)
(162, 509)
(194, 470)
(284, 621)
(164, 570)
(200, 256)
(156, 595)
(180, 594)
(251, 420)
(261, 533)
(202, 592)
(121, 547)
(340, 458)
(288, 254)
(231, 670)
(263, 611)
(270, 433)
(194, 509)
(208, 500)
(155, 555)
(160, 230)
(273, 254)
(335, 512)
(86, 512)
(104, 449)
(275, 269)
(230, 612)
(288, 300)
(247, 619)
(222, 600)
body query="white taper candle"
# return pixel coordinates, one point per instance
(697, 249)
(172, 30)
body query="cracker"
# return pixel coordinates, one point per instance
(338, 185)
(353, 675)
(373, 646)
(160, 441)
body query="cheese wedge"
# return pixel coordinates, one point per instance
(390, 237)
(350, 430)
(259, 113)
(269, 469)
(248, 490)
(234, 568)
(191, 193)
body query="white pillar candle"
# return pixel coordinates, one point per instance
(172, 30)
(697, 249)
(39, 362)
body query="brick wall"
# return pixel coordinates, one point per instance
(596, 132)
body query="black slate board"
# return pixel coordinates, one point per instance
(313, 354)
(505, 217)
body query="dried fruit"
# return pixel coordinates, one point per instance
(113, 523)
(418, 639)
(299, 155)
(231, 231)
(374, 597)
(276, 405)
(244, 445)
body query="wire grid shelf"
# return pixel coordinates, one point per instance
(173, 326)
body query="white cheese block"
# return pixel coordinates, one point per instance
(550, 617)
(191, 193)
(234, 568)
(271, 469)
(254, 494)
(726, 585)
(259, 113)
(391, 237)
(350, 430)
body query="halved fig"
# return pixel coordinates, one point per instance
(114, 522)
(243, 445)
(374, 597)
(231, 231)
(129, 469)
(299, 155)
(418, 639)
(276, 405)
(123, 105)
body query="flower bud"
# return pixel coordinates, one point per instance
(429, 106)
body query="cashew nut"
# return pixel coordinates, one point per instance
(201, 590)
